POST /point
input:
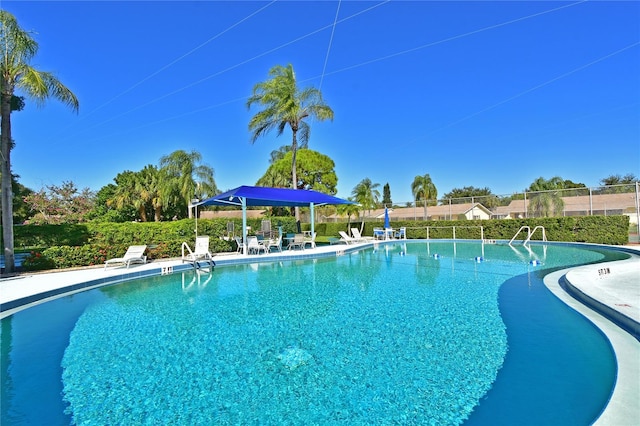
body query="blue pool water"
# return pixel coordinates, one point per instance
(381, 336)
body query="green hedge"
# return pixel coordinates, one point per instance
(64, 246)
(587, 229)
(51, 235)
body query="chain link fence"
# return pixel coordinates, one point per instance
(599, 200)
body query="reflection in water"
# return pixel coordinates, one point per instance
(390, 334)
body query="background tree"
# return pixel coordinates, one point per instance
(17, 49)
(60, 204)
(187, 178)
(629, 178)
(21, 210)
(315, 171)
(470, 194)
(285, 105)
(571, 188)
(104, 210)
(546, 199)
(617, 184)
(348, 210)
(386, 195)
(366, 194)
(274, 178)
(150, 188)
(278, 154)
(424, 190)
(126, 194)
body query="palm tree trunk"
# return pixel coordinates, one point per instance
(143, 213)
(294, 173)
(7, 194)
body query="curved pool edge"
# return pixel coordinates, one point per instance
(622, 407)
(22, 292)
(27, 290)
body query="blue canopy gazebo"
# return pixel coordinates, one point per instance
(260, 196)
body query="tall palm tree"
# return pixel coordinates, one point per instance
(188, 178)
(286, 105)
(423, 189)
(17, 48)
(366, 194)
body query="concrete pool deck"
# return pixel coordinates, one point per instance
(612, 288)
(608, 294)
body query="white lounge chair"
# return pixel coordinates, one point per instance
(134, 254)
(357, 236)
(346, 239)
(254, 246)
(275, 243)
(199, 253)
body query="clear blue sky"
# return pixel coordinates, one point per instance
(485, 94)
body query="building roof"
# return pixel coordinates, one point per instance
(583, 203)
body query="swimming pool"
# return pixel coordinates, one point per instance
(384, 335)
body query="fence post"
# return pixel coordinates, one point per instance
(638, 208)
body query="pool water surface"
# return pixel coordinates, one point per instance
(387, 335)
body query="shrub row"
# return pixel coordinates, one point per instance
(64, 246)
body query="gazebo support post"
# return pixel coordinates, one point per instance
(312, 214)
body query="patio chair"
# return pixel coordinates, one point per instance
(289, 237)
(311, 240)
(275, 243)
(378, 233)
(134, 254)
(199, 253)
(346, 239)
(238, 241)
(401, 233)
(265, 228)
(254, 246)
(389, 233)
(298, 242)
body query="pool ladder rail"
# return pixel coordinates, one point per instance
(200, 255)
(529, 233)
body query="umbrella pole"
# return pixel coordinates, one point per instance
(244, 225)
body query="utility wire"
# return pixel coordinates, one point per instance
(235, 66)
(531, 89)
(175, 61)
(435, 43)
(403, 52)
(326, 58)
